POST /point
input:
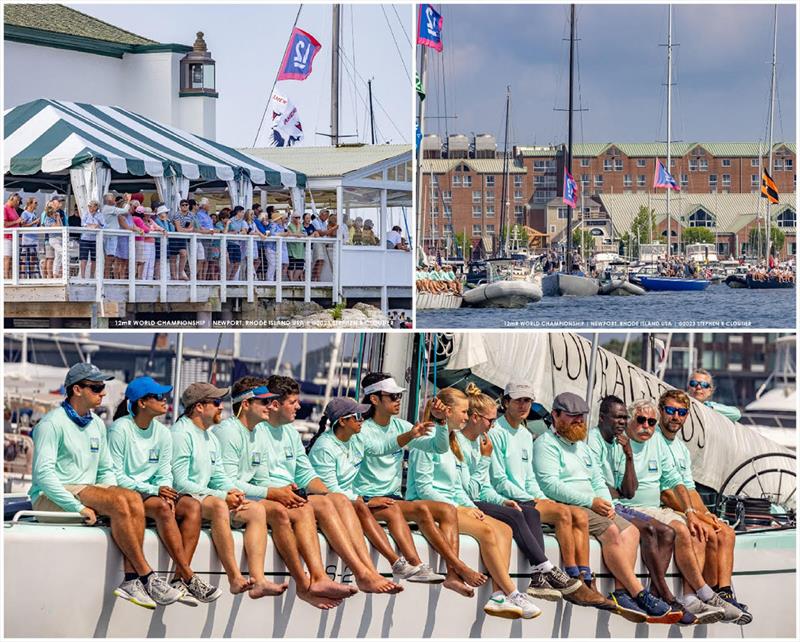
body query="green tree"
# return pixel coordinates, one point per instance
(634, 353)
(698, 235)
(583, 240)
(460, 240)
(643, 229)
(757, 242)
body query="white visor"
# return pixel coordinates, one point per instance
(388, 386)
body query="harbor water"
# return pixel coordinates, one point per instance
(717, 307)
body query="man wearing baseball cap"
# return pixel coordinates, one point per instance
(197, 470)
(292, 478)
(567, 472)
(245, 456)
(73, 472)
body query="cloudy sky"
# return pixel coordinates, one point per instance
(248, 41)
(721, 67)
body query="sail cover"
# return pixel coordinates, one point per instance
(559, 362)
(51, 136)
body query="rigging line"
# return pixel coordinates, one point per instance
(275, 82)
(360, 363)
(352, 365)
(374, 97)
(402, 26)
(396, 46)
(353, 46)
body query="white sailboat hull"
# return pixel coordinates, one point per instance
(558, 284)
(503, 294)
(429, 301)
(59, 579)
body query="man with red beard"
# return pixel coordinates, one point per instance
(720, 538)
(567, 472)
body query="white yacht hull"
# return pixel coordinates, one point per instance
(503, 294)
(58, 582)
(558, 284)
(428, 301)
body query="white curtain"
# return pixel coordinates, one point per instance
(90, 182)
(298, 200)
(171, 189)
(240, 192)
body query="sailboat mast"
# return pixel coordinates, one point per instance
(335, 32)
(568, 160)
(504, 189)
(423, 73)
(371, 113)
(771, 123)
(669, 128)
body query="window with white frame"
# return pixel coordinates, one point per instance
(777, 164)
(519, 213)
(598, 180)
(701, 218)
(712, 181)
(517, 180)
(618, 165)
(641, 180)
(754, 182)
(476, 197)
(550, 181)
(684, 180)
(448, 228)
(456, 180)
(641, 162)
(490, 230)
(477, 212)
(692, 164)
(788, 164)
(787, 218)
(538, 181)
(447, 196)
(448, 211)
(563, 213)
(726, 180)
(476, 230)
(585, 178)
(539, 165)
(703, 164)
(468, 181)
(435, 209)
(754, 162)
(726, 162)
(490, 181)
(489, 195)
(627, 181)
(608, 165)
(517, 194)
(490, 209)
(585, 162)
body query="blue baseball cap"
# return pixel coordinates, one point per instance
(143, 386)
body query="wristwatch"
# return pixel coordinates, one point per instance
(690, 510)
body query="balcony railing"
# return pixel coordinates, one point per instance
(238, 265)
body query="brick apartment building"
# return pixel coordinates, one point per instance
(467, 179)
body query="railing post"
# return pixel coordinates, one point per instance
(308, 263)
(15, 241)
(336, 272)
(251, 270)
(193, 268)
(279, 270)
(64, 255)
(131, 267)
(163, 268)
(223, 268)
(99, 266)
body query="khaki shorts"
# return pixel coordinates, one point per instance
(599, 524)
(236, 521)
(663, 515)
(44, 503)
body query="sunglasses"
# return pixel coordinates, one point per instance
(97, 388)
(703, 384)
(650, 421)
(356, 415)
(671, 410)
(262, 402)
(394, 396)
(491, 421)
(160, 397)
(216, 402)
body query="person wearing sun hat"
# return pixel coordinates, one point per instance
(73, 471)
(141, 450)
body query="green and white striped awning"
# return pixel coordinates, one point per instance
(52, 136)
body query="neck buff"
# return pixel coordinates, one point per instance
(77, 419)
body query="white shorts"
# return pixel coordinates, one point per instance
(663, 515)
(7, 249)
(201, 250)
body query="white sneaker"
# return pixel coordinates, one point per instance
(524, 602)
(403, 570)
(500, 606)
(705, 613)
(186, 598)
(133, 591)
(202, 590)
(161, 592)
(426, 575)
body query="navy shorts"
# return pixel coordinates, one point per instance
(396, 498)
(234, 253)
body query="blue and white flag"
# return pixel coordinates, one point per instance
(570, 189)
(429, 27)
(663, 178)
(287, 130)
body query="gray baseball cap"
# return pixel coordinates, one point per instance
(519, 390)
(570, 403)
(198, 391)
(342, 407)
(85, 372)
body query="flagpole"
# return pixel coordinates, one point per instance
(335, 32)
(669, 129)
(771, 124)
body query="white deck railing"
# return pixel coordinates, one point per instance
(52, 257)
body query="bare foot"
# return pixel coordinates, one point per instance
(265, 588)
(457, 585)
(323, 603)
(473, 578)
(241, 584)
(330, 589)
(378, 584)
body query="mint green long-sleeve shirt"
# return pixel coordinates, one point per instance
(288, 462)
(731, 412)
(381, 470)
(655, 471)
(511, 471)
(568, 473)
(680, 457)
(336, 462)
(65, 453)
(480, 486)
(197, 461)
(142, 458)
(609, 456)
(245, 454)
(439, 477)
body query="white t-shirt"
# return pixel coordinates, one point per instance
(394, 238)
(110, 213)
(319, 224)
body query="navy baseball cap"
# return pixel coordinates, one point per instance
(343, 407)
(85, 372)
(143, 386)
